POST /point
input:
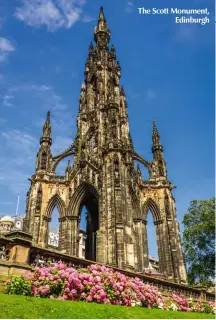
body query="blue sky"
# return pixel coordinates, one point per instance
(167, 72)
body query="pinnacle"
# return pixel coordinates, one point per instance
(47, 122)
(156, 137)
(101, 27)
(113, 49)
(155, 131)
(101, 15)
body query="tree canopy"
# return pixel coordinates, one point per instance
(199, 241)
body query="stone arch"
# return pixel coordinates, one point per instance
(153, 207)
(85, 195)
(84, 190)
(55, 201)
(61, 157)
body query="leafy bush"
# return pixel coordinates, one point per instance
(19, 285)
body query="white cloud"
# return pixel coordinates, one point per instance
(6, 101)
(18, 147)
(53, 14)
(6, 47)
(129, 7)
(20, 141)
(29, 87)
(17, 157)
(87, 19)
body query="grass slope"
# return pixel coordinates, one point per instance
(21, 307)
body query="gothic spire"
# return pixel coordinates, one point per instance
(156, 145)
(157, 150)
(68, 168)
(46, 137)
(101, 32)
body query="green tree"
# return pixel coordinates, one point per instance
(199, 241)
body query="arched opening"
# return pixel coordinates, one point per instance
(53, 229)
(84, 205)
(89, 225)
(64, 165)
(82, 233)
(152, 236)
(52, 234)
(143, 169)
(152, 243)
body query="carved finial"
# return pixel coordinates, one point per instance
(122, 92)
(139, 172)
(113, 51)
(68, 168)
(47, 122)
(157, 150)
(91, 48)
(46, 130)
(155, 136)
(101, 15)
(101, 32)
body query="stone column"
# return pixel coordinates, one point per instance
(44, 232)
(165, 261)
(73, 234)
(139, 245)
(64, 243)
(120, 244)
(145, 245)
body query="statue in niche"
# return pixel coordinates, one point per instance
(116, 170)
(39, 199)
(110, 88)
(99, 82)
(116, 91)
(114, 132)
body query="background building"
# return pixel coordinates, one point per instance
(10, 223)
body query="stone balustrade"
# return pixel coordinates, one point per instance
(18, 256)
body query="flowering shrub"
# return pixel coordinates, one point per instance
(176, 302)
(19, 285)
(98, 284)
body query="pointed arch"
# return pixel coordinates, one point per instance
(153, 207)
(83, 192)
(55, 201)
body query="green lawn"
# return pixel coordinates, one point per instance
(21, 307)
